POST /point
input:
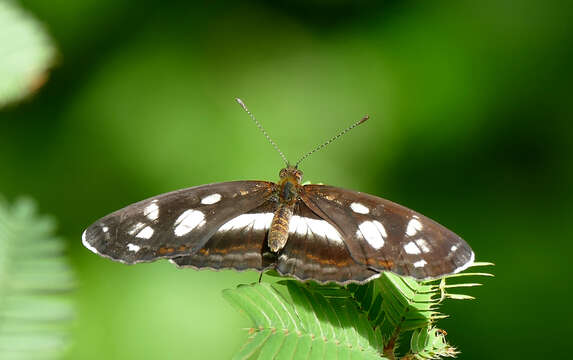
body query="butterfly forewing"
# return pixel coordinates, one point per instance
(176, 223)
(386, 236)
(316, 250)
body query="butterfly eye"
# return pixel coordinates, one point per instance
(298, 175)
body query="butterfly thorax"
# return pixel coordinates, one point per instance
(289, 185)
(288, 190)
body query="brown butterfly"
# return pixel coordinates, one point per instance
(317, 232)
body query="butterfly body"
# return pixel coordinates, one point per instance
(278, 233)
(289, 188)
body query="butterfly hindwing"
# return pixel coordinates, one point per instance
(240, 243)
(386, 236)
(176, 223)
(316, 250)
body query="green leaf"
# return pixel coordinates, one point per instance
(26, 53)
(429, 343)
(35, 310)
(313, 322)
(292, 319)
(396, 304)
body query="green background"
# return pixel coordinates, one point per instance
(471, 108)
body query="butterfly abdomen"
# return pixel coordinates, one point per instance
(278, 233)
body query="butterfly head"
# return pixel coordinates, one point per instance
(291, 173)
(289, 185)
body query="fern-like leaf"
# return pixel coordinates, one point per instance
(429, 343)
(292, 318)
(34, 280)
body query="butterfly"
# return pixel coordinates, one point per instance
(310, 232)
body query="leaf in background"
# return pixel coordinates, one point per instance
(26, 53)
(34, 280)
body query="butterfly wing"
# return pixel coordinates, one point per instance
(386, 236)
(240, 243)
(176, 223)
(316, 250)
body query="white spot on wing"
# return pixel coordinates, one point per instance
(136, 228)
(238, 222)
(297, 226)
(263, 221)
(133, 247)
(104, 229)
(380, 228)
(453, 248)
(423, 244)
(189, 220)
(413, 226)
(374, 232)
(211, 199)
(359, 208)
(87, 244)
(258, 221)
(302, 225)
(466, 265)
(151, 211)
(146, 233)
(411, 248)
(420, 263)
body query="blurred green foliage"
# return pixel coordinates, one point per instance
(471, 125)
(25, 53)
(35, 282)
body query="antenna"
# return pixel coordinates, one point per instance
(366, 117)
(262, 130)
